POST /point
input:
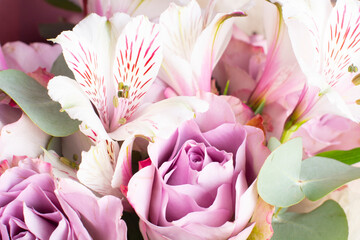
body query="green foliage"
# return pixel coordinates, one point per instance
(285, 179)
(60, 67)
(348, 157)
(326, 222)
(278, 180)
(65, 4)
(34, 100)
(51, 30)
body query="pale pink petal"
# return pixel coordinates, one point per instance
(219, 112)
(22, 137)
(17, 55)
(101, 217)
(3, 65)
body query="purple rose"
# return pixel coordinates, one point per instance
(199, 185)
(34, 206)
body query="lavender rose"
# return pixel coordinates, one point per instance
(34, 206)
(199, 185)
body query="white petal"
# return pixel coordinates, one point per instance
(86, 51)
(60, 170)
(209, 47)
(181, 26)
(341, 41)
(96, 169)
(161, 118)
(306, 23)
(73, 100)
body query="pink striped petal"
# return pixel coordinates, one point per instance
(86, 51)
(342, 41)
(137, 61)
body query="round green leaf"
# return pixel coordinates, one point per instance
(326, 222)
(34, 100)
(320, 176)
(278, 180)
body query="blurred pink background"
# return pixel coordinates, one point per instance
(19, 19)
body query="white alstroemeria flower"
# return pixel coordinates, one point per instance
(151, 8)
(326, 41)
(193, 44)
(114, 63)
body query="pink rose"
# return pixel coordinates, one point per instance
(199, 185)
(35, 206)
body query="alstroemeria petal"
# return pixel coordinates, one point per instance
(150, 120)
(177, 73)
(138, 57)
(181, 27)
(74, 101)
(341, 41)
(86, 51)
(306, 23)
(123, 169)
(96, 169)
(209, 47)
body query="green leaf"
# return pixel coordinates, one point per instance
(278, 180)
(348, 157)
(320, 176)
(60, 67)
(326, 222)
(33, 99)
(55, 145)
(285, 179)
(273, 143)
(65, 4)
(51, 30)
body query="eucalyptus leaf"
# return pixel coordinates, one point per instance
(278, 180)
(65, 4)
(326, 222)
(348, 157)
(273, 143)
(320, 176)
(285, 179)
(34, 100)
(60, 67)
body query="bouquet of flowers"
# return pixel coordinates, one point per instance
(184, 119)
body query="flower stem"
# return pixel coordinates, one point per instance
(290, 128)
